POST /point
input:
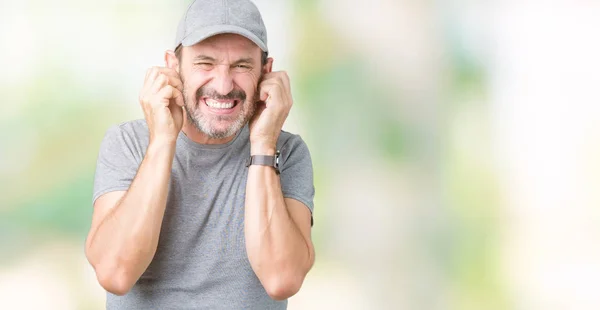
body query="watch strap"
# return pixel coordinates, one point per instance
(264, 160)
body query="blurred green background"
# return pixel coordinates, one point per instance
(455, 145)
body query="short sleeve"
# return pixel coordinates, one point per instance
(117, 163)
(297, 172)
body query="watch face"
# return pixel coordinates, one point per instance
(276, 165)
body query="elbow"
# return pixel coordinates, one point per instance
(281, 288)
(115, 280)
(114, 277)
(285, 282)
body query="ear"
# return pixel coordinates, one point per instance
(268, 67)
(171, 60)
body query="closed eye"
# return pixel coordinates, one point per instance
(205, 65)
(242, 68)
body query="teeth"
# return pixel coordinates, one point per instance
(219, 105)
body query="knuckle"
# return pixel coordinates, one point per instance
(156, 70)
(144, 99)
(161, 78)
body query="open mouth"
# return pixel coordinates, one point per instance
(216, 104)
(221, 106)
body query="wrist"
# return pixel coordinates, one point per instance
(161, 145)
(260, 148)
(163, 140)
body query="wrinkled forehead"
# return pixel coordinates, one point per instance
(225, 47)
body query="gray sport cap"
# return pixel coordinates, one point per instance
(206, 18)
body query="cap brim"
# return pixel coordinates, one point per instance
(207, 32)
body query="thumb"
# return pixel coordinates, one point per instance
(264, 92)
(178, 97)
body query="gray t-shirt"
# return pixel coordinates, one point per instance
(201, 260)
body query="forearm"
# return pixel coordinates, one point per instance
(125, 242)
(279, 254)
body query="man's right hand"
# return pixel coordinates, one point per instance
(161, 99)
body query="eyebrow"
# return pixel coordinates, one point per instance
(208, 58)
(243, 60)
(204, 57)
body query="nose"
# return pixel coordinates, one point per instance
(222, 80)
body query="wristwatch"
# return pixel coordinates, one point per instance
(264, 160)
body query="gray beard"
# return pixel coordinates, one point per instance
(205, 124)
(202, 124)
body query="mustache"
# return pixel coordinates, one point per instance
(204, 91)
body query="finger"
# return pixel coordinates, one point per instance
(153, 72)
(147, 74)
(148, 81)
(265, 89)
(159, 82)
(167, 71)
(285, 79)
(175, 81)
(281, 78)
(146, 91)
(175, 110)
(147, 87)
(167, 92)
(173, 77)
(268, 76)
(275, 89)
(172, 94)
(177, 96)
(151, 75)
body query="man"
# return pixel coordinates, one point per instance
(207, 203)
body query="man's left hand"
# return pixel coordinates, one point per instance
(271, 112)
